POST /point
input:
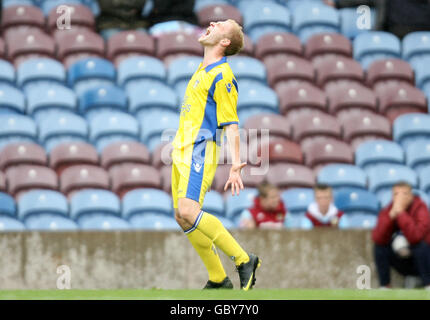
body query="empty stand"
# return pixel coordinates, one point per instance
(22, 153)
(277, 44)
(389, 70)
(70, 154)
(124, 152)
(218, 12)
(284, 69)
(327, 150)
(342, 175)
(307, 126)
(290, 176)
(324, 44)
(125, 44)
(83, 177)
(335, 68)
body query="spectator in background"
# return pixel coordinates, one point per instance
(268, 210)
(322, 212)
(409, 215)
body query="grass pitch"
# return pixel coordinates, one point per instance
(255, 294)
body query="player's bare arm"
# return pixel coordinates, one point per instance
(234, 180)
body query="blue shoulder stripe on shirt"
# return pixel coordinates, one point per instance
(235, 84)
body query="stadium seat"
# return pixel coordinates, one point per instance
(400, 98)
(285, 175)
(279, 150)
(182, 69)
(327, 150)
(12, 100)
(260, 18)
(358, 221)
(386, 197)
(26, 177)
(83, 177)
(154, 222)
(284, 69)
(7, 205)
(277, 44)
(416, 45)
(155, 125)
(90, 72)
(248, 47)
(295, 221)
(10, 224)
(335, 68)
(127, 43)
(218, 12)
(376, 153)
(50, 222)
(418, 155)
(7, 71)
(3, 52)
(235, 204)
(254, 99)
(248, 71)
(40, 202)
(69, 154)
(137, 68)
(301, 96)
(390, 70)
(375, 45)
(297, 200)
(384, 177)
(99, 222)
(214, 203)
(307, 126)
(146, 201)
(356, 201)
(347, 96)
(161, 155)
(425, 180)
(166, 177)
(95, 202)
(126, 177)
(422, 74)
(80, 15)
(124, 152)
(350, 19)
(16, 154)
(342, 175)
(45, 99)
(310, 19)
(22, 15)
(37, 71)
(324, 44)
(174, 43)
(111, 126)
(80, 41)
(16, 128)
(102, 98)
(201, 4)
(2, 182)
(62, 127)
(411, 127)
(275, 124)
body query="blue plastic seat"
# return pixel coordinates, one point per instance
(147, 200)
(422, 73)
(8, 224)
(154, 222)
(182, 69)
(262, 17)
(16, 128)
(342, 175)
(90, 72)
(358, 221)
(297, 200)
(425, 180)
(90, 202)
(214, 203)
(375, 45)
(48, 5)
(235, 204)
(140, 67)
(111, 126)
(36, 202)
(34, 72)
(7, 72)
(227, 223)
(418, 155)
(311, 18)
(254, 99)
(411, 127)
(200, 4)
(102, 98)
(150, 96)
(155, 124)
(356, 201)
(12, 100)
(378, 152)
(348, 21)
(62, 127)
(416, 45)
(103, 222)
(47, 98)
(50, 222)
(296, 221)
(384, 177)
(7, 205)
(247, 70)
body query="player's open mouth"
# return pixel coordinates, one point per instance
(208, 30)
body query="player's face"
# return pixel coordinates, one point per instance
(405, 192)
(323, 198)
(216, 32)
(271, 201)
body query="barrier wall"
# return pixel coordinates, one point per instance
(322, 258)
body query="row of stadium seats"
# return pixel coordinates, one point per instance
(47, 6)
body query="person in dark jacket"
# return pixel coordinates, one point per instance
(409, 215)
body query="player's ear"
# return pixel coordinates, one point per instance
(225, 42)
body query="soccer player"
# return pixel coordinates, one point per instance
(207, 111)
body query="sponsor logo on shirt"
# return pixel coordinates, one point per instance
(228, 85)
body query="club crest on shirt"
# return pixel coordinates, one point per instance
(197, 167)
(228, 85)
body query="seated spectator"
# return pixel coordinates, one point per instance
(268, 210)
(322, 212)
(409, 215)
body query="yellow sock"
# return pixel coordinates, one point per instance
(208, 253)
(210, 226)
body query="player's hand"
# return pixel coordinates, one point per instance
(234, 179)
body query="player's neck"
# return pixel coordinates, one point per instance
(211, 55)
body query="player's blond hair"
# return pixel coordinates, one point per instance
(236, 39)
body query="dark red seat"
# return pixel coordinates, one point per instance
(278, 44)
(277, 125)
(81, 16)
(166, 178)
(70, 154)
(327, 150)
(248, 47)
(30, 43)
(82, 41)
(25, 177)
(399, 98)
(279, 150)
(218, 12)
(327, 43)
(127, 177)
(335, 68)
(287, 68)
(84, 176)
(22, 15)
(286, 176)
(221, 176)
(22, 153)
(177, 43)
(306, 126)
(124, 152)
(161, 156)
(2, 182)
(390, 70)
(350, 95)
(301, 96)
(2, 49)
(252, 177)
(130, 42)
